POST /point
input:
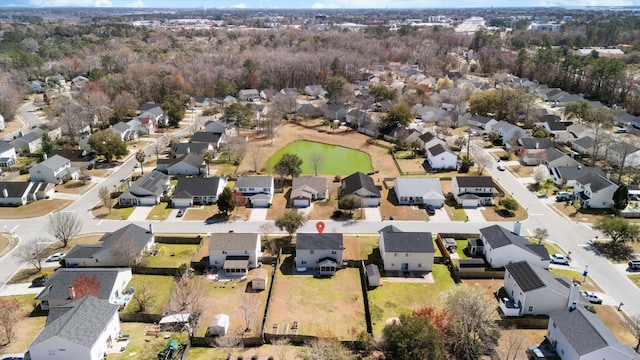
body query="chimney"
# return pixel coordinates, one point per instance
(72, 293)
(5, 193)
(188, 150)
(537, 145)
(516, 227)
(574, 293)
(608, 175)
(44, 157)
(150, 228)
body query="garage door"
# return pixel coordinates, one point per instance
(370, 202)
(469, 203)
(182, 202)
(300, 203)
(435, 203)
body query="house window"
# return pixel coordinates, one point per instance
(419, 265)
(530, 308)
(395, 254)
(246, 252)
(303, 262)
(553, 324)
(52, 352)
(406, 254)
(334, 252)
(310, 251)
(224, 252)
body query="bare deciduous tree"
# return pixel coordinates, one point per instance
(481, 160)
(322, 349)
(255, 155)
(124, 252)
(281, 347)
(33, 252)
(63, 225)
(541, 234)
(514, 345)
(105, 197)
(229, 343)
(144, 298)
(249, 307)
(188, 297)
(9, 315)
(317, 161)
(634, 326)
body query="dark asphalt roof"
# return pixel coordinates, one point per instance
(313, 241)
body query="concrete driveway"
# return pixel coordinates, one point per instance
(475, 215)
(19, 289)
(258, 215)
(440, 215)
(372, 214)
(140, 213)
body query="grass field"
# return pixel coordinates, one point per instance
(635, 279)
(26, 328)
(161, 287)
(33, 209)
(143, 346)
(323, 306)
(336, 159)
(395, 298)
(171, 255)
(160, 212)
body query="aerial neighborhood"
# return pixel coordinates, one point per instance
(372, 191)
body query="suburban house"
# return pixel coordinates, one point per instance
(309, 111)
(55, 170)
(212, 138)
(221, 128)
(418, 191)
(82, 330)
(123, 247)
(197, 191)
(28, 143)
(67, 285)
(554, 158)
(578, 334)
(79, 158)
(508, 132)
(532, 290)
(154, 109)
(482, 122)
(355, 117)
(316, 91)
(180, 149)
(235, 253)
(123, 130)
(621, 151)
(532, 151)
(321, 253)
(363, 187)
(249, 95)
(406, 251)
(368, 127)
(8, 156)
(22, 192)
(428, 114)
(54, 131)
(440, 156)
(187, 164)
(306, 189)
(147, 190)
(144, 124)
(583, 145)
(502, 247)
(567, 175)
(579, 131)
(473, 191)
(335, 112)
(428, 140)
(594, 191)
(257, 189)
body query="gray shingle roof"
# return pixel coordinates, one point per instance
(437, 150)
(233, 241)
(358, 181)
(536, 143)
(57, 287)
(139, 235)
(575, 172)
(194, 148)
(313, 241)
(586, 332)
(475, 181)
(205, 137)
(407, 242)
(83, 251)
(597, 182)
(533, 277)
(82, 322)
(192, 159)
(585, 142)
(497, 237)
(152, 183)
(262, 181)
(4, 146)
(300, 184)
(196, 186)
(14, 188)
(55, 162)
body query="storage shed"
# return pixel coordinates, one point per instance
(373, 275)
(219, 325)
(450, 244)
(260, 278)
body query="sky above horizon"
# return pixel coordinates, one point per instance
(314, 4)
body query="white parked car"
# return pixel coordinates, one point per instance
(592, 297)
(500, 167)
(560, 259)
(56, 257)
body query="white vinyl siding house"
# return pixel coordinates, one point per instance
(363, 187)
(197, 191)
(55, 170)
(406, 251)
(441, 157)
(320, 252)
(473, 191)
(235, 253)
(502, 247)
(595, 191)
(420, 191)
(258, 189)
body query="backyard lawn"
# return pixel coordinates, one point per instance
(27, 327)
(170, 255)
(226, 297)
(395, 298)
(161, 288)
(143, 346)
(336, 159)
(322, 306)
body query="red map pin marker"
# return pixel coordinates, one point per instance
(320, 226)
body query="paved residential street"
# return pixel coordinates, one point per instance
(569, 234)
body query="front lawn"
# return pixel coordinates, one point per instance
(160, 212)
(33, 209)
(161, 288)
(323, 307)
(635, 279)
(170, 255)
(575, 276)
(116, 213)
(395, 298)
